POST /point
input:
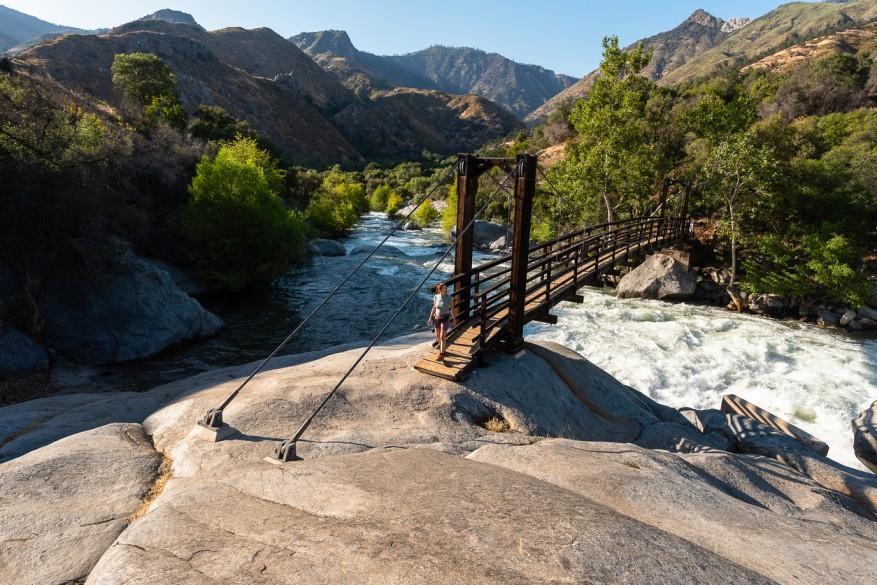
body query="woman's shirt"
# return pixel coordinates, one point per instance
(442, 304)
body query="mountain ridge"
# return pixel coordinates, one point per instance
(516, 86)
(258, 76)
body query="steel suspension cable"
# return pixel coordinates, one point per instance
(286, 451)
(213, 417)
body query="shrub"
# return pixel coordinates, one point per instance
(378, 199)
(831, 262)
(449, 215)
(214, 123)
(238, 230)
(426, 214)
(334, 211)
(394, 203)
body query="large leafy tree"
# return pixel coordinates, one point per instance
(239, 230)
(613, 162)
(150, 83)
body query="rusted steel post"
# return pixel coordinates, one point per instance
(525, 190)
(467, 190)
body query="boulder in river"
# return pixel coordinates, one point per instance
(412, 226)
(63, 505)
(484, 233)
(765, 304)
(867, 313)
(19, 353)
(383, 251)
(865, 437)
(660, 277)
(130, 311)
(827, 318)
(321, 247)
(847, 317)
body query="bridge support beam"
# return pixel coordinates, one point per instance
(525, 190)
(468, 171)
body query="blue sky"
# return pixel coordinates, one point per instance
(563, 35)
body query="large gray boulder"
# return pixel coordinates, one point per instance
(756, 513)
(382, 251)
(413, 516)
(322, 247)
(19, 353)
(484, 233)
(865, 437)
(659, 277)
(131, 310)
(64, 505)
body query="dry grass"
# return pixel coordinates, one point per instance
(497, 425)
(164, 474)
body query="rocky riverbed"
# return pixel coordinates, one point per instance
(402, 481)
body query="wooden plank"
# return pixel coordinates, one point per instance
(733, 404)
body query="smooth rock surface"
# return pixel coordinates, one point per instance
(63, 505)
(412, 226)
(721, 502)
(322, 247)
(659, 277)
(185, 281)
(412, 516)
(19, 353)
(865, 437)
(134, 311)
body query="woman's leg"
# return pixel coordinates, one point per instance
(443, 331)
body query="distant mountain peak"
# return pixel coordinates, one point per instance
(735, 23)
(172, 16)
(336, 42)
(704, 18)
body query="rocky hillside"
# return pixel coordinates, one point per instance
(699, 33)
(407, 478)
(849, 42)
(258, 76)
(458, 70)
(19, 30)
(787, 25)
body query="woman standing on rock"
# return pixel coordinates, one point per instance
(440, 316)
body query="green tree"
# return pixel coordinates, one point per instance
(143, 76)
(238, 229)
(426, 214)
(213, 123)
(613, 159)
(737, 171)
(150, 83)
(394, 204)
(378, 199)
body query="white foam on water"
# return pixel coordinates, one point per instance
(685, 355)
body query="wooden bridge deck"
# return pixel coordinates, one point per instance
(465, 345)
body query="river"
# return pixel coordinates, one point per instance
(680, 355)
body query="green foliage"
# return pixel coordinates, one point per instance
(143, 76)
(831, 261)
(213, 123)
(149, 82)
(812, 267)
(336, 207)
(426, 214)
(238, 230)
(167, 108)
(378, 199)
(613, 162)
(449, 214)
(394, 204)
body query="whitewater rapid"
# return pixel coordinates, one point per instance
(687, 355)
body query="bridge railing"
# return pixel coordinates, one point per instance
(565, 262)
